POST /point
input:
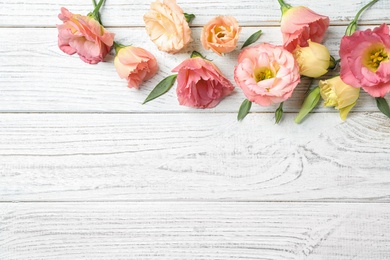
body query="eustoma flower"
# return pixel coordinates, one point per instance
(267, 74)
(167, 26)
(313, 60)
(339, 95)
(365, 60)
(134, 64)
(84, 35)
(221, 34)
(200, 83)
(300, 24)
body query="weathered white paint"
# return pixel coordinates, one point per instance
(194, 230)
(194, 156)
(40, 13)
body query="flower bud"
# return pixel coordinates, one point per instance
(338, 94)
(313, 60)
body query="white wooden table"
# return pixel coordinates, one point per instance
(87, 172)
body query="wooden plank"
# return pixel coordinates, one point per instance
(35, 76)
(38, 13)
(194, 230)
(132, 157)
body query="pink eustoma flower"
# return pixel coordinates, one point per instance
(300, 24)
(83, 35)
(200, 83)
(365, 60)
(267, 74)
(135, 65)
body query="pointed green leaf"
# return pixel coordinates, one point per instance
(244, 109)
(383, 106)
(308, 105)
(279, 113)
(161, 88)
(253, 38)
(189, 17)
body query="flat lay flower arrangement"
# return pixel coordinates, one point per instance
(266, 73)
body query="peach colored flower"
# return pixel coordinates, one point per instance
(167, 27)
(300, 24)
(200, 83)
(365, 60)
(267, 74)
(221, 34)
(83, 35)
(135, 65)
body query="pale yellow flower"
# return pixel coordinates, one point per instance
(313, 60)
(339, 95)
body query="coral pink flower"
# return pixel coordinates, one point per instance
(167, 27)
(83, 35)
(365, 60)
(200, 83)
(267, 74)
(300, 24)
(135, 65)
(221, 34)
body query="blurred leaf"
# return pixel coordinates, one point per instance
(308, 105)
(279, 113)
(189, 17)
(383, 106)
(161, 88)
(253, 38)
(244, 109)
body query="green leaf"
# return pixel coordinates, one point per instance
(253, 38)
(196, 54)
(244, 109)
(161, 88)
(189, 17)
(279, 113)
(383, 106)
(308, 105)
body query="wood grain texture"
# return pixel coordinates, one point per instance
(43, 13)
(35, 76)
(132, 157)
(194, 231)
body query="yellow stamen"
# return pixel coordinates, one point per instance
(375, 57)
(262, 74)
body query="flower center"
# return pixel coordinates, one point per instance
(263, 73)
(375, 57)
(220, 31)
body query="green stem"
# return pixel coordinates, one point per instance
(353, 25)
(94, 3)
(364, 8)
(283, 6)
(118, 46)
(97, 7)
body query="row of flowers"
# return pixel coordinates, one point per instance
(266, 73)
